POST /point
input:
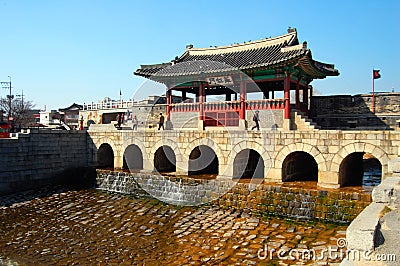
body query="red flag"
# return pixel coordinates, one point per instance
(376, 74)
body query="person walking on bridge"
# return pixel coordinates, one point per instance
(256, 119)
(134, 123)
(161, 122)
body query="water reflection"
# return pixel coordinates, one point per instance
(372, 177)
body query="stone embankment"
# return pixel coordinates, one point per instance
(270, 199)
(33, 159)
(376, 230)
(90, 227)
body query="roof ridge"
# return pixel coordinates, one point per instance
(301, 46)
(289, 38)
(155, 65)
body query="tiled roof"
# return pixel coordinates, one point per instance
(266, 53)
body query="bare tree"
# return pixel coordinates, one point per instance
(21, 111)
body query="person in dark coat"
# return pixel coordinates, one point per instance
(256, 119)
(161, 122)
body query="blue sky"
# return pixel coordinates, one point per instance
(61, 52)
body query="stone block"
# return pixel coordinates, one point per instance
(384, 192)
(361, 233)
(394, 165)
(328, 179)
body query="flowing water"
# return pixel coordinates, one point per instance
(54, 226)
(90, 227)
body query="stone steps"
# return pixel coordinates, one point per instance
(302, 122)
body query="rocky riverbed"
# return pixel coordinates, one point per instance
(90, 227)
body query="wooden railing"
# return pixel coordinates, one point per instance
(222, 106)
(185, 107)
(274, 104)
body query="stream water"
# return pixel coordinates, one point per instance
(54, 226)
(90, 227)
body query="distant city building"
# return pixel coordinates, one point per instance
(50, 118)
(146, 110)
(70, 115)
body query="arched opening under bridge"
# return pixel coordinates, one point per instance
(360, 169)
(299, 166)
(203, 160)
(165, 159)
(105, 156)
(248, 163)
(133, 158)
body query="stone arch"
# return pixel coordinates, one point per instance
(167, 142)
(140, 144)
(248, 163)
(360, 147)
(251, 145)
(303, 147)
(352, 170)
(133, 158)
(102, 140)
(96, 144)
(299, 166)
(203, 160)
(105, 156)
(165, 159)
(206, 142)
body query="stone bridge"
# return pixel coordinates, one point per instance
(333, 158)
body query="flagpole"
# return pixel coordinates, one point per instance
(373, 92)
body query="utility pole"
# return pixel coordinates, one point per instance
(4, 84)
(9, 103)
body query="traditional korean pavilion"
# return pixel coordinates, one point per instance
(272, 65)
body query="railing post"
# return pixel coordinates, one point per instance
(201, 106)
(168, 98)
(242, 109)
(286, 90)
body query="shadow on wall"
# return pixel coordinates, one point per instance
(72, 179)
(352, 112)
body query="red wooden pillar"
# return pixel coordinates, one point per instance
(298, 94)
(201, 101)
(242, 110)
(286, 92)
